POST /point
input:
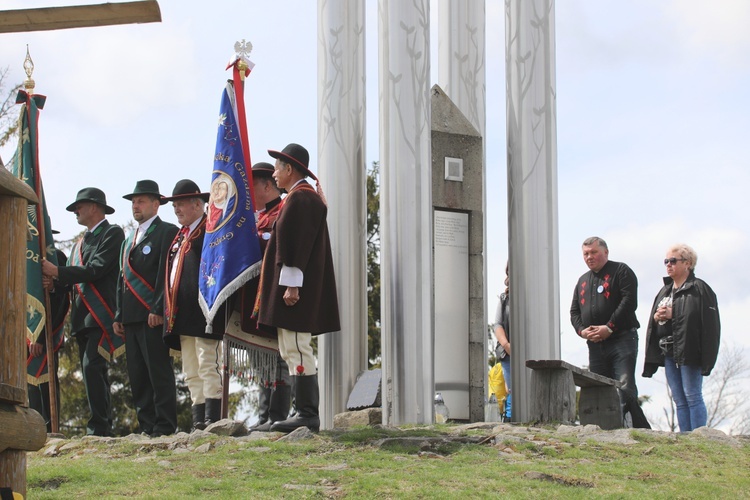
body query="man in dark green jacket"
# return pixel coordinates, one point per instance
(140, 312)
(92, 271)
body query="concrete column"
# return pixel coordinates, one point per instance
(461, 58)
(406, 211)
(462, 76)
(532, 190)
(342, 170)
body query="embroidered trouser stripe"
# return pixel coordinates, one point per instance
(296, 349)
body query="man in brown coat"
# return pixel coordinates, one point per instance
(298, 287)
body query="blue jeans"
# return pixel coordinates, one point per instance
(615, 358)
(505, 363)
(686, 385)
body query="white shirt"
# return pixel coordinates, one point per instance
(291, 276)
(141, 231)
(175, 262)
(97, 225)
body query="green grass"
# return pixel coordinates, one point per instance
(350, 465)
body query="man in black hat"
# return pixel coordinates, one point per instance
(140, 312)
(275, 395)
(92, 270)
(184, 323)
(298, 287)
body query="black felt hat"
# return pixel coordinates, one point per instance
(94, 195)
(187, 189)
(146, 187)
(295, 155)
(263, 169)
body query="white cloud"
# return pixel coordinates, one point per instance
(733, 312)
(717, 30)
(114, 77)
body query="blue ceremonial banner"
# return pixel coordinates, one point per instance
(231, 250)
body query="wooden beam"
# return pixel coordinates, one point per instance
(12, 186)
(23, 428)
(79, 16)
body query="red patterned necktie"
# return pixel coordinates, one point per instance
(183, 233)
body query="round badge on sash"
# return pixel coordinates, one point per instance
(147, 250)
(600, 289)
(266, 236)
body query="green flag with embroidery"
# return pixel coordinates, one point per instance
(25, 165)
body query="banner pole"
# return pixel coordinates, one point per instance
(29, 85)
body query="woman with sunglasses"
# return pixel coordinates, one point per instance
(683, 335)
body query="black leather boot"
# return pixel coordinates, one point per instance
(281, 400)
(279, 407)
(199, 416)
(264, 405)
(213, 411)
(307, 398)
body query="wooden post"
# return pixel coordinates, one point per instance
(21, 429)
(553, 394)
(600, 405)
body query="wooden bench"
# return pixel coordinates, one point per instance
(553, 395)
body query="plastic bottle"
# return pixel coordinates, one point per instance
(441, 410)
(491, 410)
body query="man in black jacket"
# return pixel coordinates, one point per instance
(140, 312)
(92, 270)
(184, 322)
(603, 313)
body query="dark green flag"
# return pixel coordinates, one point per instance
(25, 165)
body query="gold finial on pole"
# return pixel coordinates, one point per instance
(242, 50)
(28, 67)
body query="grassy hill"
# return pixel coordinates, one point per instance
(445, 461)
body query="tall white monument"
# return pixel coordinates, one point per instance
(406, 210)
(532, 190)
(342, 166)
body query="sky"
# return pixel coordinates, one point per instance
(652, 112)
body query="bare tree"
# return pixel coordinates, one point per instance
(726, 391)
(8, 115)
(670, 414)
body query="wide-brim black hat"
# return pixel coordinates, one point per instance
(94, 195)
(263, 169)
(187, 189)
(146, 187)
(295, 155)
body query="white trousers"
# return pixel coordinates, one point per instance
(296, 350)
(201, 363)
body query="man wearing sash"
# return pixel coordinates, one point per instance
(298, 287)
(140, 312)
(275, 394)
(184, 323)
(92, 270)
